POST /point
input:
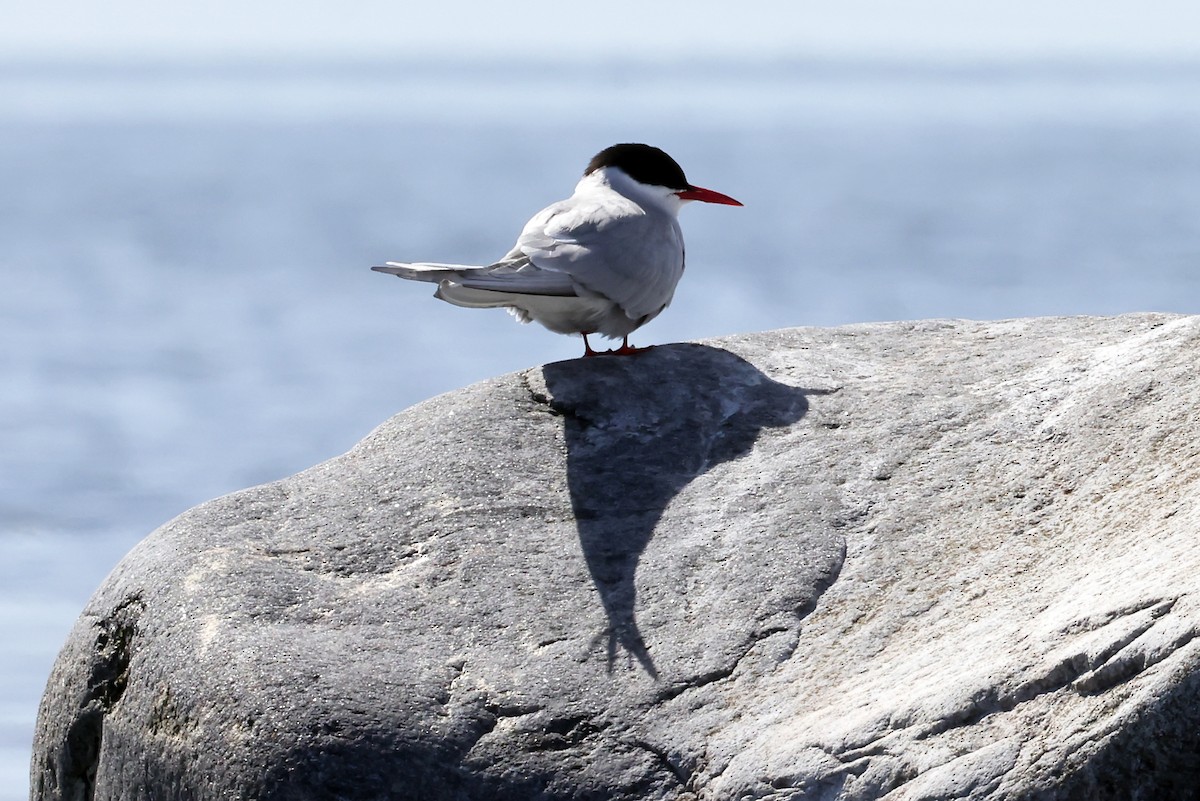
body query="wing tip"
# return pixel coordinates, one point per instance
(390, 268)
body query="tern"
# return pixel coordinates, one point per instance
(604, 261)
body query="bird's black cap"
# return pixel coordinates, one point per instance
(642, 163)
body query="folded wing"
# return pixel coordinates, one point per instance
(603, 249)
(611, 248)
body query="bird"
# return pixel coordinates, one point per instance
(604, 261)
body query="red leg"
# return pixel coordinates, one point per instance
(587, 348)
(626, 349)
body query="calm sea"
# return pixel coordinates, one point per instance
(187, 310)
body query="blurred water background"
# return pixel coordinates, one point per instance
(187, 307)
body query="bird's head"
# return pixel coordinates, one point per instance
(651, 167)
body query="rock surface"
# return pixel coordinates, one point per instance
(927, 560)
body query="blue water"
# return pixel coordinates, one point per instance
(187, 309)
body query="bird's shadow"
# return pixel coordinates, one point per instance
(638, 430)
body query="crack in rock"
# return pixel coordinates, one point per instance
(107, 679)
(682, 774)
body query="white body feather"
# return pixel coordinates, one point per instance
(606, 260)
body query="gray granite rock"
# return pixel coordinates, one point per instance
(910, 561)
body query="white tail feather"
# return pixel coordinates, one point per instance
(420, 271)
